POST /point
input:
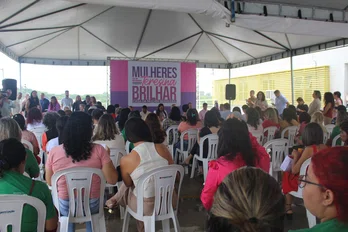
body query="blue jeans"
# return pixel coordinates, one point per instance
(64, 211)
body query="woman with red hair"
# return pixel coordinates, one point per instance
(325, 189)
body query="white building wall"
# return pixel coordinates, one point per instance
(337, 59)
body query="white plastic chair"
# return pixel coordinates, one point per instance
(312, 221)
(128, 149)
(329, 129)
(326, 137)
(271, 131)
(182, 152)
(164, 180)
(213, 141)
(38, 132)
(292, 131)
(259, 137)
(334, 141)
(79, 181)
(28, 145)
(11, 208)
(279, 148)
(173, 131)
(115, 156)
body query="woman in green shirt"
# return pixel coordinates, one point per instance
(9, 128)
(325, 190)
(12, 181)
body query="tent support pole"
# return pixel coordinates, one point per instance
(292, 77)
(229, 82)
(20, 77)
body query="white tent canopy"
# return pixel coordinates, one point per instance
(49, 31)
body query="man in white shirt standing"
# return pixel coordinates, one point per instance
(203, 112)
(280, 102)
(144, 113)
(66, 102)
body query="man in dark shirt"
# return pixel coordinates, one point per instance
(87, 102)
(44, 103)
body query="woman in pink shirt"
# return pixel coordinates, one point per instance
(77, 150)
(54, 105)
(237, 148)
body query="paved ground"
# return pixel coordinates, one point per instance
(191, 219)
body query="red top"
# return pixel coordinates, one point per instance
(329, 113)
(269, 123)
(220, 168)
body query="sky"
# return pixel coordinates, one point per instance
(56, 79)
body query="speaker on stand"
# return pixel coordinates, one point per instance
(230, 92)
(10, 84)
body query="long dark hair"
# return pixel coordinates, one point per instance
(253, 117)
(234, 139)
(313, 134)
(77, 136)
(263, 97)
(50, 120)
(137, 131)
(158, 134)
(175, 114)
(123, 118)
(210, 119)
(33, 99)
(158, 111)
(329, 98)
(289, 115)
(20, 120)
(53, 98)
(60, 125)
(191, 116)
(12, 154)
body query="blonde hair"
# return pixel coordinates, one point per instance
(9, 128)
(248, 200)
(106, 128)
(318, 117)
(271, 114)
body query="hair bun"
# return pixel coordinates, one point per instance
(253, 220)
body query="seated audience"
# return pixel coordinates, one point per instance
(173, 119)
(253, 121)
(190, 123)
(271, 119)
(68, 113)
(236, 109)
(60, 124)
(301, 106)
(96, 114)
(184, 108)
(304, 119)
(27, 135)
(13, 157)
(257, 204)
(49, 121)
(78, 150)
(61, 113)
(342, 116)
(288, 120)
(258, 109)
(226, 112)
(218, 115)
(237, 148)
(145, 156)
(54, 105)
(318, 117)
(312, 140)
(107, 133)
(325, 190)
(161, 112)
(344, 132)
(144, 112)
(34, 120)
(158, 134)
(111, 110)
(211, 126)
(9, 129)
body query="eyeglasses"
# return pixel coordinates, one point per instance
(302, 182)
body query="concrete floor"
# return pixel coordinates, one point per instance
(191, 218)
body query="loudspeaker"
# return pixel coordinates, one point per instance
(12, 85)
(230, 92)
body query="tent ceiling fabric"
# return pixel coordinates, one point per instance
(152, 29)
(333, 4)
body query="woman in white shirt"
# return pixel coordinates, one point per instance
(316, 103)
(145, 157)
(34, 120)
(107, 134)
(253, 121)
